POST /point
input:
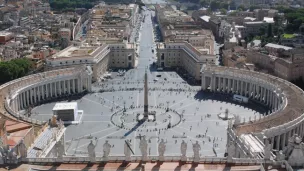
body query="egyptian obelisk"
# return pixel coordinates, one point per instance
(146, 96)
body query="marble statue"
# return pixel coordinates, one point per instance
(267, 150)
(161, 150)
(12, 154)
(106, 149)
(280, 156)
(38, 153)
(230, 151)
(143, 146)
(2, 158)
(196, 152)
(127, 151)
(91, 151)
(296, 157)
(183, 149)
(22, 149)
(288, 149)
(54, 121)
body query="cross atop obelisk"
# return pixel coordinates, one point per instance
(146, 106)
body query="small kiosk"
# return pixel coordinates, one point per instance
(66, 111)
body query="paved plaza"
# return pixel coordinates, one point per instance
(110, 111)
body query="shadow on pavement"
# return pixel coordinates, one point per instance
(227, 98)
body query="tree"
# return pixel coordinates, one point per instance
(204, 3)
(214, 5)
(269, 31)
(241, 8)
(262, 31)
(223, 11)
(14, 69)
(252, 8)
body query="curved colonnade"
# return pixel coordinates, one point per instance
(285, 100)
(20, 94)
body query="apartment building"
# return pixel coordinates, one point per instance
(182, 55)
(112, 23)
(99, 56)
(289, 64)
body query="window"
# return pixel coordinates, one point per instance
(73, 61)
(130, 57)
(80, 60)
(60, 63)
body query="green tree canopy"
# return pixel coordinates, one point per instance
(14, 69)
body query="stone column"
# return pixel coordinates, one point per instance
(39, 93)
(43, 92)
(246, 88)
(298, 130)
(31, 96)
(20, 101)
(272, 142)
(55, 89)
(269, 97)
(301, 130)
(81, 82)
(51, 89)
(229, 84)
(15, 104)
(59, 87)
(283, 141)
(221, 83)
(64, 87)
(34, 95)
(69, 86)
(263, 93)
(273, 100)
(278, 142)
(225, 84)
(26, 98)
(73, 85)
(47, 87)
(213, 80)
(237, 86)
(23, 100)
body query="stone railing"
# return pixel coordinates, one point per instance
(211, 160)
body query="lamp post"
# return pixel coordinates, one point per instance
(167, 110)
(125, 106)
